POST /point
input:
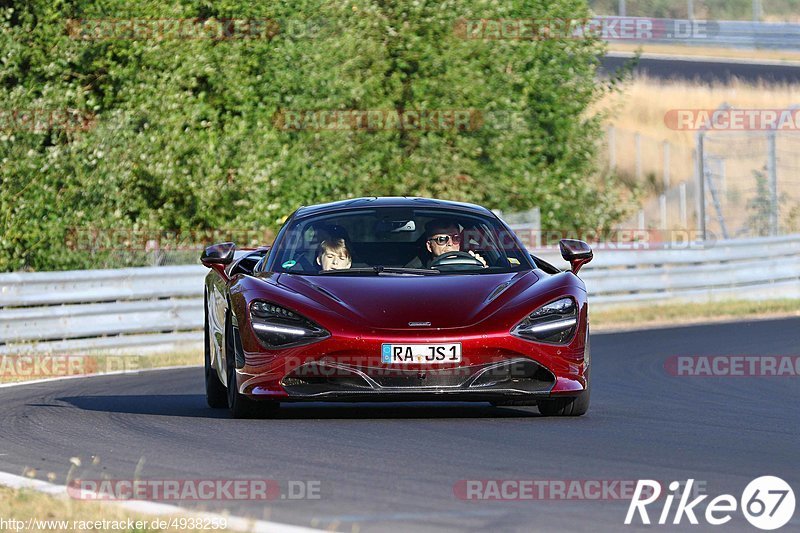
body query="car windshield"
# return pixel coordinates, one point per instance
(398, 241)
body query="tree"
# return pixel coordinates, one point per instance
(188, 135)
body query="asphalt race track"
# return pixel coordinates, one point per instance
(706, 71)
(385, 467)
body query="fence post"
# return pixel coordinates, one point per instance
(622, 9)
(666, 165)
(684, 221)
(662, 204)
(690, 9)
(701, 186)
(773, 184)
(757, 10)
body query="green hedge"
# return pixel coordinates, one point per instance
(183, 135)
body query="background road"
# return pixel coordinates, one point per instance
(382, 467)
(706, 71)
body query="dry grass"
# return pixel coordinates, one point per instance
(25, 368)
(641, 107)
(644, 102)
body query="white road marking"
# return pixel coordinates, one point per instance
(235, 523)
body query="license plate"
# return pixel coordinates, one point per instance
(414, 354)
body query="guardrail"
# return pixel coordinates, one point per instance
(162, 307)
(101, 309)
(721, 33)
(758, 268)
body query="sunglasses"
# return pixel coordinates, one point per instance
(441, 240)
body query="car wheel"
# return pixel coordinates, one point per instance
(216, 395)
(240, 405)
(574, 406)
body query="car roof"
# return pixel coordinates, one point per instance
(388, 201)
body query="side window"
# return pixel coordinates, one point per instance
(260, 266)
(479, 238)
(247, 264)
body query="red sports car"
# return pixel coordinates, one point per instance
(395, 299)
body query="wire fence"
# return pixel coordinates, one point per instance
(660, 176)
(750, 184)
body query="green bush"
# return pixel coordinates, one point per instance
(185, 138)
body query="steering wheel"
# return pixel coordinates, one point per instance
(457, 260)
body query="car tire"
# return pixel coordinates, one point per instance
(573, 406)
(240, 405)
(216, 395)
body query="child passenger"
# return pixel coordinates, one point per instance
(334, 254)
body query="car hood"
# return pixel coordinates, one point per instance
(391, 302)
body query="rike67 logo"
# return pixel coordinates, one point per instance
(767, 503)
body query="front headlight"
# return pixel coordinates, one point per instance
(555, 322)
(278, 328)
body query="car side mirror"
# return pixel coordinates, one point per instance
(577, 253)
(218, 254)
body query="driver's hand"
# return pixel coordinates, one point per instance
(478, 257)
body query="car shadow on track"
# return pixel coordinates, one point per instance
(185, 405)
(194, 406)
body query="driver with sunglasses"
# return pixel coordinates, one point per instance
(442, 236)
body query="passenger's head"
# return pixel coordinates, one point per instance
(334, 254)
(442, 236)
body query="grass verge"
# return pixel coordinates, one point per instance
(643, 317)
(15, 368)
(25, 510)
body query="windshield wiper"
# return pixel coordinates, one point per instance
(380, 269)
